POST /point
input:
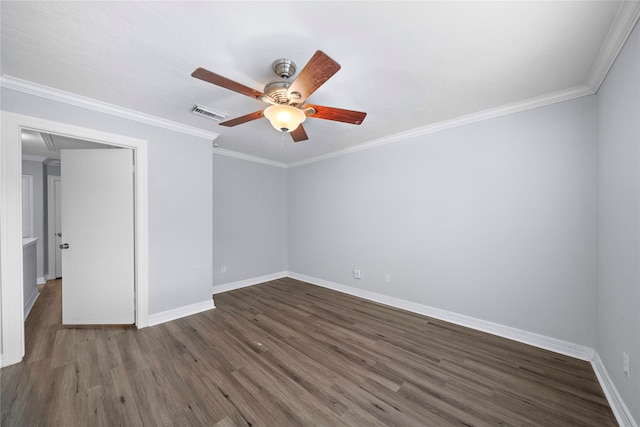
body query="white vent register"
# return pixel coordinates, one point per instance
(207, 112)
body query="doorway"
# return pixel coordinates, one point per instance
(54, 187)
(11, 230)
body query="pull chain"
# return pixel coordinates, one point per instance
(283, 136)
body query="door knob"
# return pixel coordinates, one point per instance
(64, 246)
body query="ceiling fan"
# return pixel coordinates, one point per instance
(287, 96)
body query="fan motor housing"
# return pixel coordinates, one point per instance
(278, 88)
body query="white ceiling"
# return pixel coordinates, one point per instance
(407, 64)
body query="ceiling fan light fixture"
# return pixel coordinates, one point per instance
(284, 117)
(288, 95)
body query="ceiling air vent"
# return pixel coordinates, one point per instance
(207, 112)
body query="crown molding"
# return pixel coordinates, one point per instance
(31, 88)
(621, 28)
(248, 157)
(54, 94)
(48, 141)
(492, 113)
(33, 158)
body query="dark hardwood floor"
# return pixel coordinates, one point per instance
(289, 353)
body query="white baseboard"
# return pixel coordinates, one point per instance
(620, 410)
(248, 282)
(537, 340)
(30, 302)
(177, 313)
(41, 280)
(10, 361)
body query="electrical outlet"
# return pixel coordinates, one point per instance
(223, 269)
(387, 278)
(625, 364)
(357, 273)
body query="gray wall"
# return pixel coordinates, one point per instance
(36, 169)
(29, 279)
(249, 219)
(180, 198)
(494, 220)
(618, 318)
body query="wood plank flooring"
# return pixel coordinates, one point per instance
(288, 353)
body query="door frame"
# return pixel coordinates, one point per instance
(51, 210)
(11, 284)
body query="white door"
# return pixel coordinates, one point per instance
(97, 233)
(57, 203)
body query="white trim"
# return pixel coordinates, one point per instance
(620, 410)
(32, 300)
(41, 280)
(248, 282)
(248, 157)
(619, 32)
(69, 98)
(142, 234)
(492, 113)
(51, 226)
(536, 340)
(33, 158)
(24, 86)
(177, 313)
(10, 222)
(11, 243)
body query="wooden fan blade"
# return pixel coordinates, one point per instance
(299, 134)
(318, 70)
(335, 114)
(243, 119)
(218, 80)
